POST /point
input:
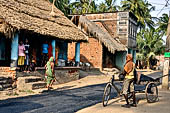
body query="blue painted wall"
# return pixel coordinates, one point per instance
(120, 60)
(14, 47)
(53, 46)
(133, 52)
(134, 56)
(77, 54)
(14, 50)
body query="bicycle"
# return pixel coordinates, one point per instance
(107, 91)
(150, 90)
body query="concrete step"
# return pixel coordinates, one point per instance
(31, 86)
(4, 80)
(30, 83)
(38, 85)
(6, 86)
(33, 79)
(24, 74)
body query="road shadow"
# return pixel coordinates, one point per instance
(57, 100)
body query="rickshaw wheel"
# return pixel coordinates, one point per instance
(151, 92)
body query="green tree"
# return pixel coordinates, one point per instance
(163, 24)
(141, 9)
(149, 40)
(63, 5)
(83, 6)
(149, 43)
(108, 6)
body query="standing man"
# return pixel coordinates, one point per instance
(128, 83)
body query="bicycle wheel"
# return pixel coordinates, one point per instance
(106, 95)
(151, 92)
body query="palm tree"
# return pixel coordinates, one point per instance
(141, 9)
(149, 41)
(163, 24)
(108, 6)
(83, 6)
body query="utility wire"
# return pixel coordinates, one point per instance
(161, 9)
(156, 3)
(167, 3)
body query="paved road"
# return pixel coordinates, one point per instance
(66, 101)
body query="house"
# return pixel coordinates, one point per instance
(32, 20)
(111, 37)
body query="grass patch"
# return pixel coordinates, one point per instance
(12, 94)
(26, 91)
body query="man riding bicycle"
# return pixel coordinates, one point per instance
(128, 83)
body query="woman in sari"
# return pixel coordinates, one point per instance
(50, 72)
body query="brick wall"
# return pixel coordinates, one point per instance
(108, 23)
(90, 51)
(71, 50)
(7, 71)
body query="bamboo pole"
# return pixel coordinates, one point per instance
(52, 9)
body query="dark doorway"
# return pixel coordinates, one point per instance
(5, 51)
(108, 58)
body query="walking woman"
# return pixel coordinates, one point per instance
(50, 72)
(128, 83)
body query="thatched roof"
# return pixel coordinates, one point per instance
(34, 15)
(89, 27)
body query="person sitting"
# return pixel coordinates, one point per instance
(128, 81)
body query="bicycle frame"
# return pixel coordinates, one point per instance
(114, 86)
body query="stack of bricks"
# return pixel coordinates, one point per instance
(8, 72)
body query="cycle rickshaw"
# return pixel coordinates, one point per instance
(147, 85)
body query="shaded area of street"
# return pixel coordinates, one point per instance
(66, 101)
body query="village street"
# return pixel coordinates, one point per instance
(77, 95)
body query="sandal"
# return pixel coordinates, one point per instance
(126, 105)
